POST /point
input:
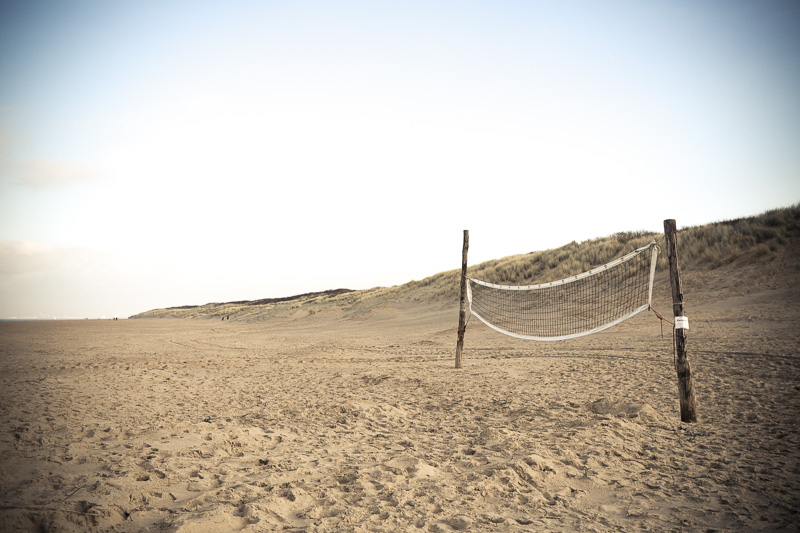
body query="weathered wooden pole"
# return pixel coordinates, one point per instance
(462, 313)
(685, 383)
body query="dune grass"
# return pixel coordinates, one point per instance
(709, 246)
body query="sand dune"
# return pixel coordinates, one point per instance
(361, 423)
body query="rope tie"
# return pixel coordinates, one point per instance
(674, 345)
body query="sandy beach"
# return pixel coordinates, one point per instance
(361, 423)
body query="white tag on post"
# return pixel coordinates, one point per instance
(681, 322)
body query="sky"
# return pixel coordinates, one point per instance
(164, 153)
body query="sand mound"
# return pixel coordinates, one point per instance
(626, 409)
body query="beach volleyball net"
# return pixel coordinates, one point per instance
(570, 307)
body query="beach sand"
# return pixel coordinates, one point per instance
(361, 423)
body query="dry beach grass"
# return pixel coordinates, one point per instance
(352, 418)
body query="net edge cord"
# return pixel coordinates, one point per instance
(556, 283)
(565, 337)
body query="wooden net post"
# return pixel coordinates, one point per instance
(462, 313)
(685, 382)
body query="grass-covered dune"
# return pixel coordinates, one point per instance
(739, 242)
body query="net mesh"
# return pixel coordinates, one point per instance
(572, 307)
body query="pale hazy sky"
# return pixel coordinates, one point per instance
(161, 153)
